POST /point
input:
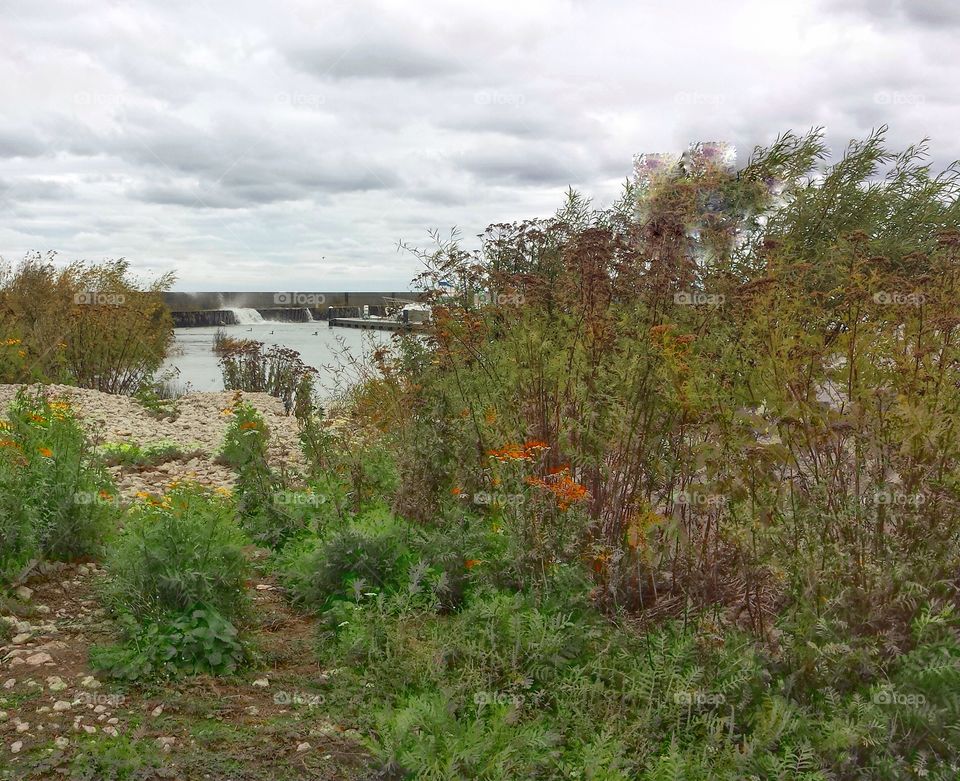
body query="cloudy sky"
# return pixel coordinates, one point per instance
(291, 144)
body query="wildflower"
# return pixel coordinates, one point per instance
(222, 490)
(9, 443)
(471, 563)
(22, 353)
(45, 452)
(490, 416)
(250, 424)
(105, 495)
(456, 491)
(142, 495)
(226, 411)
(11, 342)
(37, 418)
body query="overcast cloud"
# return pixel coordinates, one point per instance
(291, 144)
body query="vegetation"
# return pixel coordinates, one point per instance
(88, 325)
(56, 500)
(176, 583)
(278, 371)
(669, 490)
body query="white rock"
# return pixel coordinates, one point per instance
(89, 682)
(112, 731)
(113, 721)
(100, 709)
(165, 743)
(16, 746)
(38, 659)
(89, 729)
(23, 726)
(43, 609)
(61, 705)
(9, 683)
(3, 715)
(24, 593)
(156, 711)
(56, 684)
(62, 742)
(263, 683)
(21, 638)
(304, 746)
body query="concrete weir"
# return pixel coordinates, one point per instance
(211, 309)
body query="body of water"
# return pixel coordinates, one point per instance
(195, 364)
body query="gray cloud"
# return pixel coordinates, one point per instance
(300, 141)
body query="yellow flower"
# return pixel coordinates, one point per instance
(142, 495)
(223, 490)
(22, 353)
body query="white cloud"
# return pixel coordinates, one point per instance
(292, 145)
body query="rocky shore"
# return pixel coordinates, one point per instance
(197, 426)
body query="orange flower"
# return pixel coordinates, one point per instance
(250, 424)
(456, 491)
(471, 563)
(9, 443)
(45, 452)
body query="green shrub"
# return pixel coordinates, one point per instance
(56, 499)
(176, 555)
(369, 555)
(269, 514)
(198, 642)
(154, 454)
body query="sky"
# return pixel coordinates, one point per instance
(291, 145)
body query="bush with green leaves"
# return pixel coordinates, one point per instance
(177, 554)
(200, 641)
(56, 498)
(177, 578)
(270, 514)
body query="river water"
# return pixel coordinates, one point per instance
(195, 367)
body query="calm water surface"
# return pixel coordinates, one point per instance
(195, 364)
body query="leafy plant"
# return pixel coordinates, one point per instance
(176, 554)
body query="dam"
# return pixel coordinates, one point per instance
(206, 309)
